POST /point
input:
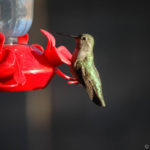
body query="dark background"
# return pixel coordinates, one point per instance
(121, 31)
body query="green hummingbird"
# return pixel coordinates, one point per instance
(84, 70)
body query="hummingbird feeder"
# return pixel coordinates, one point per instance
(26, 67)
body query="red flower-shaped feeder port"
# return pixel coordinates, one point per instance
(28, 67)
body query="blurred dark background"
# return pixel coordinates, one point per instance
(73, 122)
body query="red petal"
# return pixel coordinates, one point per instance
(56, 56)
(2, 40)
(7, 67)
(51, 39)
(64, 52)
(53, 57)
(64, 55)
(23, 39)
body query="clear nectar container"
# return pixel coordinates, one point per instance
(15, 18)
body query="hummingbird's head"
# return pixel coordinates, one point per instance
(85, 41)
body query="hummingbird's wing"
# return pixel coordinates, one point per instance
(97, 89)
(91, 82)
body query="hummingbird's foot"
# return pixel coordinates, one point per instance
(72, 80)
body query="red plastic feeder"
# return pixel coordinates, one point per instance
(29, 67)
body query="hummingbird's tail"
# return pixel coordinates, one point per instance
(98, 101)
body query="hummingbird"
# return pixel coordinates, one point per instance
(83, 67)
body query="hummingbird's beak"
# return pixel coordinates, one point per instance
(68, 35)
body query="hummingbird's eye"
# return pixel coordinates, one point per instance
(84, 38)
